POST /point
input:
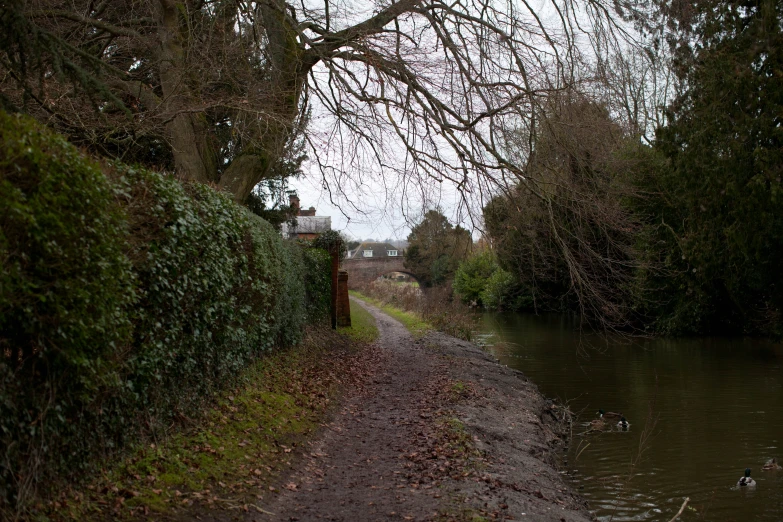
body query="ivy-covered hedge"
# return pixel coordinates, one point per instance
(126, 299)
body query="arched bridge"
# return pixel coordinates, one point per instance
(367, 269)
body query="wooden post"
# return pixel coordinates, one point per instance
(334, 250)
(343, 303)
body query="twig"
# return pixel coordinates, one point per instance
(682, 508)
(577, 456)
(263, 510)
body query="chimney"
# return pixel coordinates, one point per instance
(293, 201)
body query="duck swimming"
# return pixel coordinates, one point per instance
(597, 424)
(772, 465)
(609, 415)
(624, 424)
(746, 481)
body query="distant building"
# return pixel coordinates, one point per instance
(308, 225)
(375, 250)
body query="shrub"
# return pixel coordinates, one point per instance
(318, 267)
(329, 240)
(498, 291)
(471, 277)
(480, 280)
(66, 286)
(126, 299)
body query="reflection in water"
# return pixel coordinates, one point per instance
(717, 406)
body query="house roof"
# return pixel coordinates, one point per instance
(378, 249)
(308, 225)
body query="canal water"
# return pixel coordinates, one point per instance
(701, 411)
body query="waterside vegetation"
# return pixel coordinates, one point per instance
(678, 236)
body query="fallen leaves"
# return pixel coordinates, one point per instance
(238, 447)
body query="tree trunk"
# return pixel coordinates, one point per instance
(243, 174)
(187, 129)
(288, 79)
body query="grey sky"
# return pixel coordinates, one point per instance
(377, 217)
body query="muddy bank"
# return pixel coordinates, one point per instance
(437, 430)
(518, 432)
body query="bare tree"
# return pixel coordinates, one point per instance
(215, 89)
(565, 231)
(637, 82)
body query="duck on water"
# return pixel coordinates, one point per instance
(772, 465)
(604, 416)
(609, 415)
(606, 419)
(746, 481)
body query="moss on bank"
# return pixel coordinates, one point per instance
(237, 451)
(363, 328)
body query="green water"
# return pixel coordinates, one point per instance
(717, 406)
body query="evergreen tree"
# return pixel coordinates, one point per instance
(436, 249)
(723, 186)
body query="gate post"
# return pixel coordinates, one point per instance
(334, 251)
(343, 302)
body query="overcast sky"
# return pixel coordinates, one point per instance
(377, 225)
(377, 217)
(380, 185)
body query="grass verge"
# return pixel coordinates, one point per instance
(237, 453)
(415, 324)
(363, 328)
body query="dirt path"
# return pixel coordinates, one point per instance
(437, 431)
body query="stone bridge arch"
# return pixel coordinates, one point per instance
(366, 270)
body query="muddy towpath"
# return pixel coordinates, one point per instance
(437, 430)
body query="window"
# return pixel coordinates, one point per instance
(368, 252)
(391, 253)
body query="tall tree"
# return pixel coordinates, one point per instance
(563, 231)
(215, 89)
(725, 184)
(436, 248)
